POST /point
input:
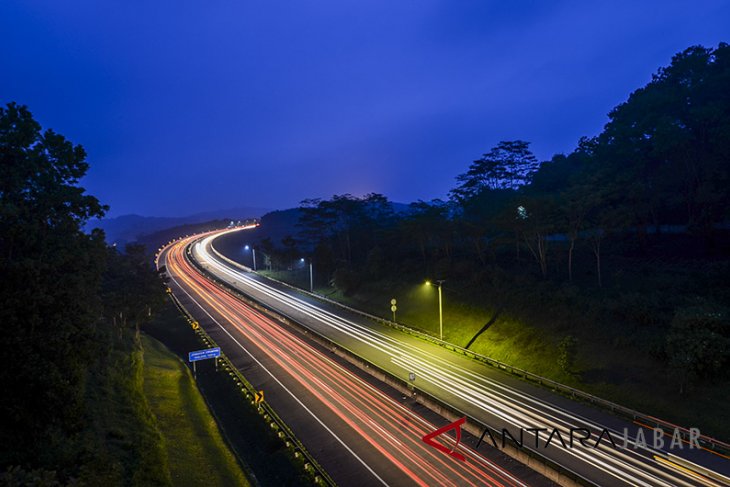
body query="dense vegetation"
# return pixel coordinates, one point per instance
(619, 249)
(72, 404)
(197, 454)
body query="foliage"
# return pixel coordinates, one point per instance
(51, 273)
(675, 135)
(346, 280)
(348, 223)
(567, 352)
(131, 290)
(698, 343)
(509, 165)
(121, 443)
(16, 476)
(606, 243)
(66, 299)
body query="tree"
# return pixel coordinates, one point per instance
(480, 219)
(509, 165)
(671, 141)
(350, 225)
(698, 343)
(132, 288)
(535, 219)
(51, 273)
(567, 352)
(346, 280)
(569, 179)
(428, 225)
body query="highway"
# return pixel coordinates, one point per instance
(360, 434)
(481, 392)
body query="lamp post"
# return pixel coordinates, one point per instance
(311, 274)
(253, 254)
(439, 283)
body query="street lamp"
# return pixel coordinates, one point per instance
(439, 283)
(311, 275)
(253, 254)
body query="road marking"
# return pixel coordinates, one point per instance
(279, 382)
(618, 465)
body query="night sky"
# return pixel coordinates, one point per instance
(188, 106)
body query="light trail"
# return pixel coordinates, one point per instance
(633, 466)
(391, 429)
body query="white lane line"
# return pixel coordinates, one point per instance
(373, 340)
(279, 382)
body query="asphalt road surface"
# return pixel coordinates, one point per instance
(361, 432)
(486, 394)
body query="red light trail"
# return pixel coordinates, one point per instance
(393, 430)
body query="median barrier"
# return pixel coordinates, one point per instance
(704, 440)
(532, 458)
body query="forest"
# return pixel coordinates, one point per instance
(72, 409)
(608, 265)
(620, 247)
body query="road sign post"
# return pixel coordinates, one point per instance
(411, 380)
(258, 398)
(204, 354)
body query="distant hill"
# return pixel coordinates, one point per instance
(154, 231)
(153, 241)
(130, 228)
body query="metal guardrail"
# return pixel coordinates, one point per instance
(704, 440)
(310, 465)
(551, 464)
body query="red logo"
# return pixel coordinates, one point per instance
(456, 425)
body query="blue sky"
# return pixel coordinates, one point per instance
(187, 106)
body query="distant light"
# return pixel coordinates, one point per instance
(301, 260)
(428, 283)
(246, 247)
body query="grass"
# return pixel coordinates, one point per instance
(262, 454)
(612, 363)
(122, 443)
(508, 340)
(196, 451)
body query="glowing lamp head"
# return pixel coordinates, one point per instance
(246, 247)
(428, 283)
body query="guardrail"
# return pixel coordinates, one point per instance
(704, 440)
(551, 469)
(285, 434)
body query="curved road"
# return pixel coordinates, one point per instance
(359, 433)
(484, 393)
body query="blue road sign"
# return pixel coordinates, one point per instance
(204, 354)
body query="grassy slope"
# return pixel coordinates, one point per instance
(608, 365)
(195, 448)
(262, 453)
(122, 443)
